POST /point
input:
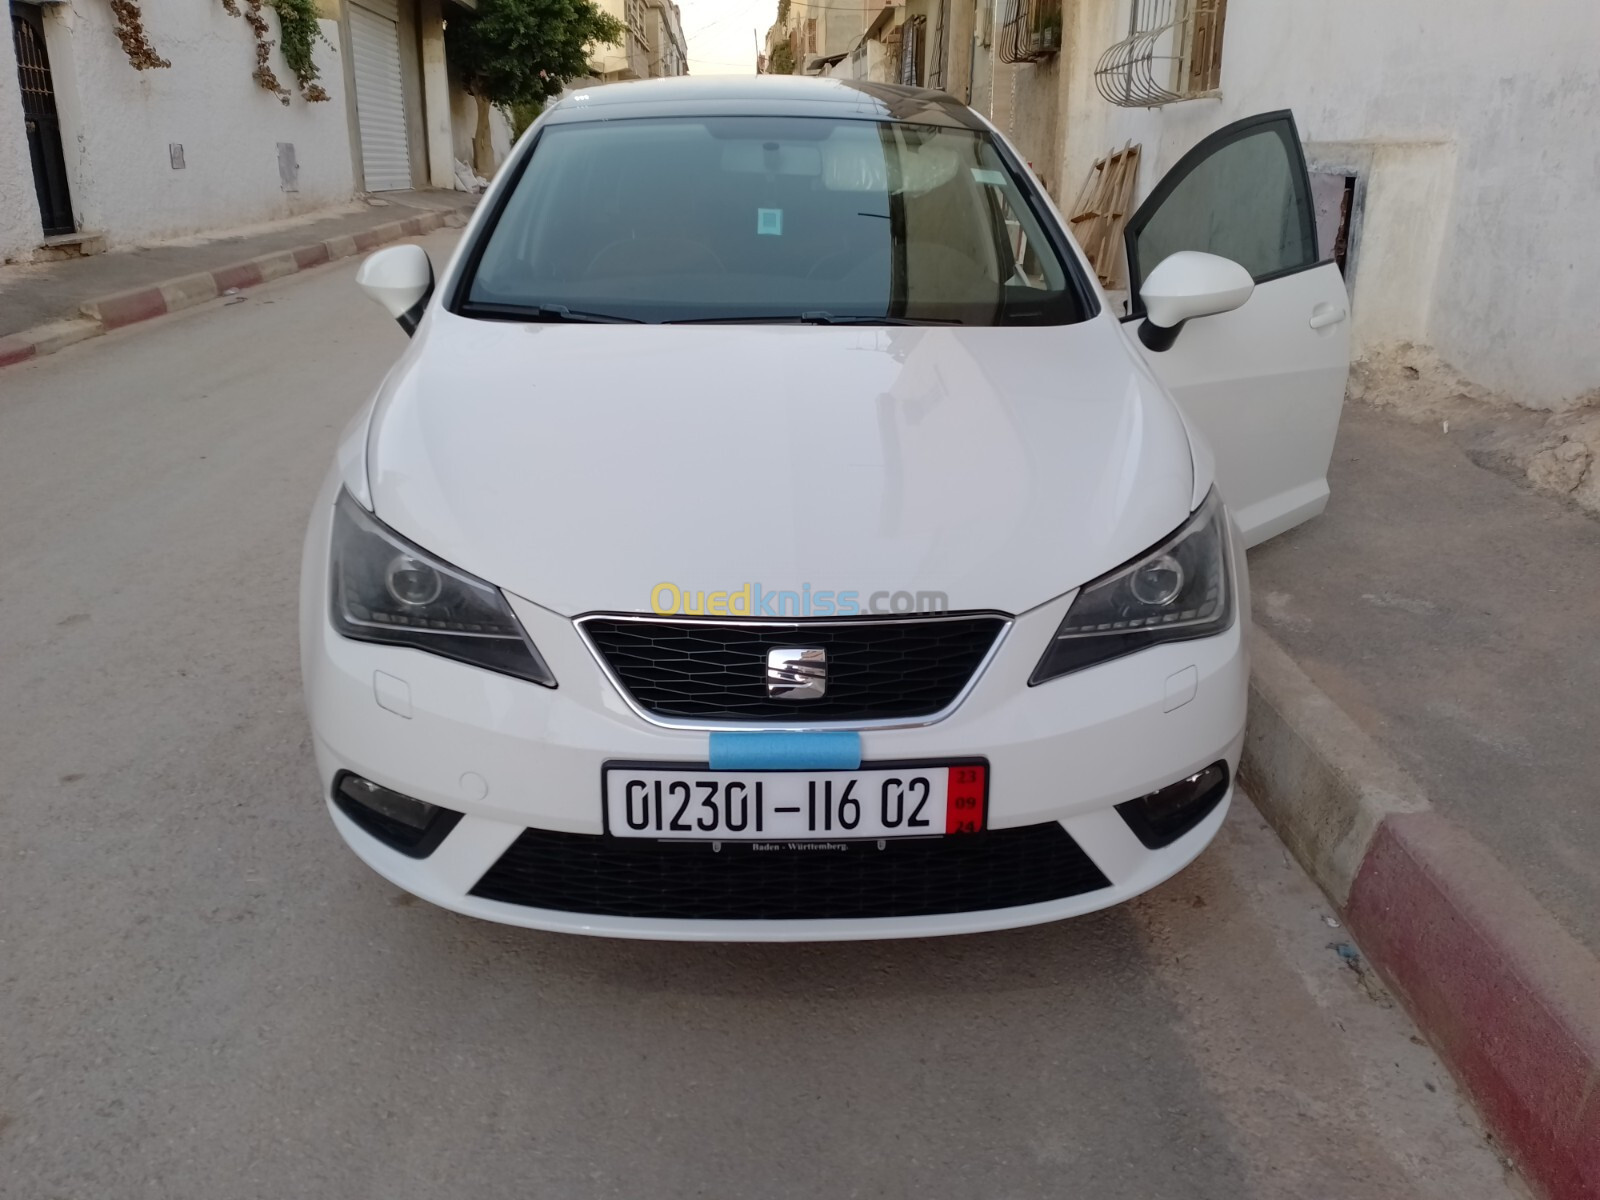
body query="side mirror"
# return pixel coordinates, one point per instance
(1187, 285)
(400, 279)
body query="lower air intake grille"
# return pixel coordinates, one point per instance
(877, 669)
(622, 877)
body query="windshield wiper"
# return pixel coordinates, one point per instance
(545, 312)
(827, 318)
(560, 312)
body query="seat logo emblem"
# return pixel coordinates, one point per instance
(795, 674)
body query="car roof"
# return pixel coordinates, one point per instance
(761, 95)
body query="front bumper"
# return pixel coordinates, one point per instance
(511, 755)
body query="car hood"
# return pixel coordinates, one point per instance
(581, 466)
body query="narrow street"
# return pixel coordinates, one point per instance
(204, 994)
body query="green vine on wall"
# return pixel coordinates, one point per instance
(135, 42)
(297, 20)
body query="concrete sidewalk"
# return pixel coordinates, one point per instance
(1423, 740)
(1456, 618)
(37, 294)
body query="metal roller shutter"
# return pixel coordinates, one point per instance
(380, 103)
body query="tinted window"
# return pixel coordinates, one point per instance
(1245, 201)
(749, 218)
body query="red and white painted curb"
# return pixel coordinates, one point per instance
(141, 304)
(1507, 997)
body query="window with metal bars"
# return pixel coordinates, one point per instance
(891, 54)
(911, 39)
(938, 64)
(1173, 52)
(1030, 30)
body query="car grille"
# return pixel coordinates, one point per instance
(877, 670)
(622, 877)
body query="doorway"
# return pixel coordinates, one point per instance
(42, 122)
(380, 95)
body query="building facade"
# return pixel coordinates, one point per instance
(652, 42)
(95, 153)
(815, 35)
(669, 51)
(1458, 139)
(1452, 143)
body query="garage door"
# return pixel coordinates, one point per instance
(380, 104)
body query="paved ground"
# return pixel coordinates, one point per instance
(35, 293)
(1452, 614)
(205, 995)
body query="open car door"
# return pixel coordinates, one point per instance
(1264, 384)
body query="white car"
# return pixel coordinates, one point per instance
(772, 531)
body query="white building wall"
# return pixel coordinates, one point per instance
(1476, 120)
(19, 206)
(117, 124)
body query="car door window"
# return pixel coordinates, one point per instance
(1241, 194)
(1263, 384)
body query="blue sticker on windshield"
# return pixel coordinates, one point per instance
(769, 222)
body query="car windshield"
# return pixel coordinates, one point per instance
(769, 219)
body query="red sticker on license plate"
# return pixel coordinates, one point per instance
(964, 800)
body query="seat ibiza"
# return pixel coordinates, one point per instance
(773, 530)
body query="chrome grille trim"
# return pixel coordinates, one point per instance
(797, 626)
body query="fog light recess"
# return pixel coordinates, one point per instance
(1163, 817)
(413, 827)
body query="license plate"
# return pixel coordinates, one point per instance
(888, 801)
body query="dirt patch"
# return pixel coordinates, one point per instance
(1554, 453)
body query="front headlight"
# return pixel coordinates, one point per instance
(387, 590)
(1177, 591)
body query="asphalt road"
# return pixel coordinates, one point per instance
(202, 994)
